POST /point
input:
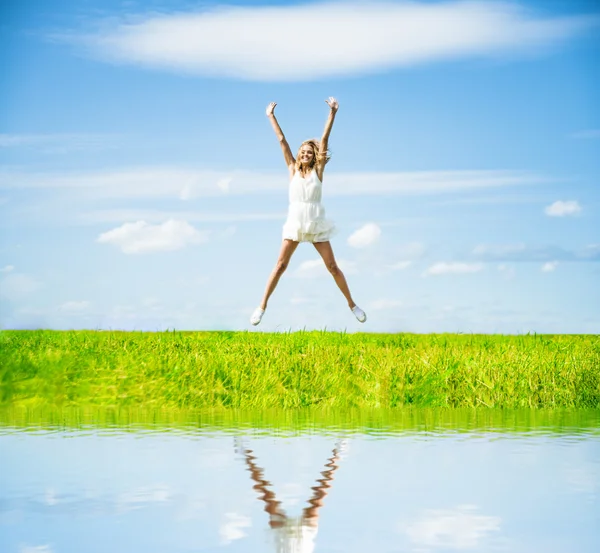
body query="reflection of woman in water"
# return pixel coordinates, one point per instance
(293, 534)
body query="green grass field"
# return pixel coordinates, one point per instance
(255, 371)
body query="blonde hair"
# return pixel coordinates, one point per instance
(316, 146)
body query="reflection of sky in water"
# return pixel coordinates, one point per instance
(149, 492)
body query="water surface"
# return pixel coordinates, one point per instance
(414, 482)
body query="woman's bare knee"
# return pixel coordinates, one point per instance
(333, 268)
(280, 267)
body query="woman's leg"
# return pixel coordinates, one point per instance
(277, 515)
(326, 252)
(288, 247)
(311, 514)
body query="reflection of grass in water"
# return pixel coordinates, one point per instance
(378, 422)
(300, 369)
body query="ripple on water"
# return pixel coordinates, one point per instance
(413, 481)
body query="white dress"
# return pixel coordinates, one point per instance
(295, 536)
(306, 220)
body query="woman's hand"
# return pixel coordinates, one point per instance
(333, 104)
(271, 108)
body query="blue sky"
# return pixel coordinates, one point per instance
(142, 187)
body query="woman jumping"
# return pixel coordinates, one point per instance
(306, 220)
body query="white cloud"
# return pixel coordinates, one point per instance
(524, 253)
(586, 134)
(142, 497)
(365, 236)
(24, 318)
(533, 197)
(182, 183)
(560, 208)
(458, 528)
(507, 270)
(17, 286)
(426, 182)
(7, 269)
(252, 43)
(443, 268)
(400, 266)
(223, 184)
(591, 252)
(59, 143)
(191, 190)
(142, 237)
(186, 192)
(232, 528)
(75, 306)
(122, 313)
(310, 269)
(143, 182)
(50, 498)
(406, 255)
(549, 267)
(499, 250)
(411, 250)
(314, 268)
(151, 303)
(384, 304)
(156, 215)
(347, 267)
(229, 231)
(35, 549)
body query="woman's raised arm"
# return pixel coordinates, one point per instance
(322, 154)
(287, 153)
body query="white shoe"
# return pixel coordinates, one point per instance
(239, 446)
(257, 316)
(359, 314)
(342, 448)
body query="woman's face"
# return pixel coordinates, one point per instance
(306, 154)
